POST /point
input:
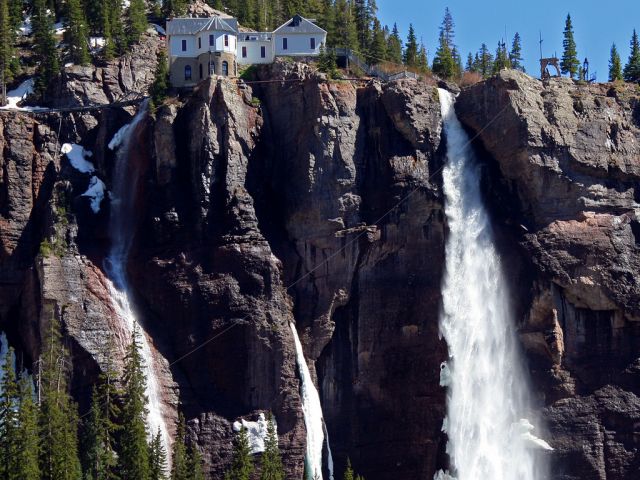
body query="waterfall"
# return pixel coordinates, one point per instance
(121, 229)
(313, 419)
(487, 387)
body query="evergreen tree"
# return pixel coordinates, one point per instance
(362, 22)
(378, 50)
(44, 46)
(515, 56)
(134, 451)
(348, 473)
(632, 68)
(327, 20)
(502, 58)
(9, 428)
(7, 40)
(161, 81)
(569, 63)
(423, 62)
(345, 27)
(457, 62)
(485, 62)
(158, 458)
(136, 20)
(75, 34)
(443, 61)
(99, 457)
(15, 13)
(411, 50)
(470, 66)
(113, 29)
(177, 8)
(242, 464)
(327, 62)
(58, 414)
(615, 65)
(180, 460)
(272, 468)
(447, 28)
(394, 51)
(27, 448)
(195, 463)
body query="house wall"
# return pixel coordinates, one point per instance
(217, 58)
(176, 72)
(253, 51)
(298, 43)
(175, 44)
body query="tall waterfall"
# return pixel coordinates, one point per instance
(121, 228)
(313, 419)
(487, 387)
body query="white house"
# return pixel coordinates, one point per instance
(201, 47)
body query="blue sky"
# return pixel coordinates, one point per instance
(596, 25)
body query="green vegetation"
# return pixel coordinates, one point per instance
(160, 84)
(242, 464)
(569, 62)
(615, 65)
(632, 69)
(271, 465)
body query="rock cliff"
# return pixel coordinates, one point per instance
(319, 203)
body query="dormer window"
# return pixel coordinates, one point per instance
(211, 43)
(226, 40)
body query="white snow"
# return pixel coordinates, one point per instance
(95, 192)
(25, 28)
(67, 65)
(77, 155)
(118, 137)
(59, 28)
(445, 375)
(256, 431)
(96, 43)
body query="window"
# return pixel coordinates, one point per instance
(211, 40)
(184, 45)
(226, 40)
(313, 43)
(187, 72)
(244, 52)
(225, 68)
(199, 42)
(263, 51)
(212, 68)
(284, 43)
(200, 71)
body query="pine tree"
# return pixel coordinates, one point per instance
(443, 62)
(378, 50)
(272, 468)
(44, 46)
(569, 63)
(58, 414)
(502, 58)
(27, 448)
(242, 464)
(195, 463)
(7, 40)
(485, 62)
(345, 27)
(457, 62)
(160, 84)
(348, 473)
(75, 35)
(177, 8)
(410, 56)
(9, 428)
(113, 29)
(423, 62)
(180, 460)
(615, 65)
(632, 68)
(394, 52)
(361, 17)
(470, 66)
(157, 458)
(134, 451)
(327, 62)
(515, 56)
(447, 28)
(327, 20)
(136, 21)
(99, 458)
(15, 13)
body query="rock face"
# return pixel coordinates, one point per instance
(568, 159)
(320, 203)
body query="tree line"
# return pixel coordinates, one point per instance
(42, 436)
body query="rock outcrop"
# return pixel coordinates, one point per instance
(567, 157)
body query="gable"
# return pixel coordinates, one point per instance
(299, 24)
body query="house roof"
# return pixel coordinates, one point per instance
(299, 24)
(191, 26)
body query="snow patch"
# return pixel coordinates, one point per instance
(524, 427)
(77, 155)
(16, 95)
(25, 28)
(95, 192)
(256, 432)
(118, 137)
(96, 43)
(59, 28)
(445, 375)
